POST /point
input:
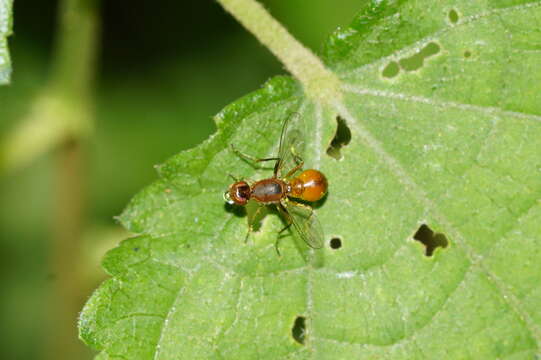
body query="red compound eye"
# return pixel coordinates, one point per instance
(238, 193)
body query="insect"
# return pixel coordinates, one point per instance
(288, 183)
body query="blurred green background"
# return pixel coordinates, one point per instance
(163, 70)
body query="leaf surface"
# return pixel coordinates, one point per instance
(442, 100)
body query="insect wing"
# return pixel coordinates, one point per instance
(305, 223)
(292, 142)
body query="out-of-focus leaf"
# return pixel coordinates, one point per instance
(5, 30)
(442, 101)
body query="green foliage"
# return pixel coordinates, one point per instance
(5, 31)
(450, 140)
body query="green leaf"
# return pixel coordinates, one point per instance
(442, 102)
(5, 31)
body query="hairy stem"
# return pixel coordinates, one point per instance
(318, 82)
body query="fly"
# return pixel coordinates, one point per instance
(288, 183)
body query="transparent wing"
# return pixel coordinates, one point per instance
(292, 143)
(305, 223)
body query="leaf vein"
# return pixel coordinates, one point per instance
(486, 110)
(410, 185)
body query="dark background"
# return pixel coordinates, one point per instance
(164, 69)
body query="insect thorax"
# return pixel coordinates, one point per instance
(269, 190)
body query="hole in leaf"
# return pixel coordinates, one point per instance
(430, 239)
(299, 329)
(416, 61)
(340, 139)
(430, 49)
(335, 243)
(467, 54)
(453, 16)
(136, 249)
(391, 70)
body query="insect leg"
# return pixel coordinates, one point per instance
(299, 166)
(282, 210)
(276, 247)
(249, 157)
(251, 224)
(306, 223)
(277, 167)
(285, 228)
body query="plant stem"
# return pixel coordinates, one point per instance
(318, 82)
(66, 299)
(74, 65)
(61, 110)
(71, 87)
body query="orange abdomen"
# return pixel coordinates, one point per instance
(310, 185)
